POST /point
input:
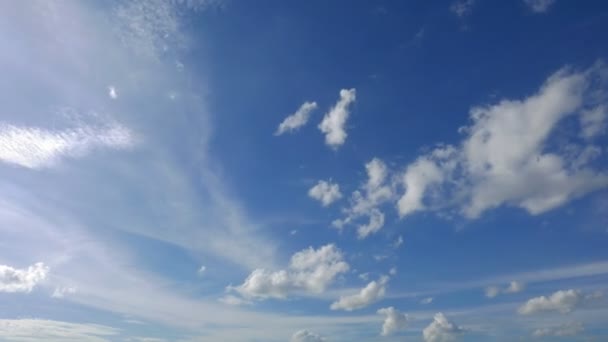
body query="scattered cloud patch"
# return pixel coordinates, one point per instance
(61, 292)
(297, 119)
(325, 192)
(593, 121)
(393, 322)
(365, 201)
(566, 329)
(539, 6)
(22, 280)
(310, 271)
(563, 301)
(513, 287)
(371, 293)
(201, 270)
(234, 300)
(334, 121)
(306, 336)
(49, 330)
(462, 8)
(426, 301)
(112, 92)
(398, 242)
(441, 330)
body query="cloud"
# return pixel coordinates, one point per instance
(593, 121)
(539, 6)
(325, 192)
(371, 293)
(306, 336)
(112, 92)
(462, 8)
(201, 270)
(441, 330)
(566, 329)
(333, 122)
(60, 292)
(514, 287)
(394, 321)
(507, 156)
(22, 280)
(398, 242)
(427, 300)
(309, 271)
(234, 300)
(34, 147)
(297, 119)
(563, 301)
(365, 201)
(48, 330)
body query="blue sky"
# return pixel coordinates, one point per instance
(223, 170)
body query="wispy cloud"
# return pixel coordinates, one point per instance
(297, 119)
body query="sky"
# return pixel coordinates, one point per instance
(303, 171)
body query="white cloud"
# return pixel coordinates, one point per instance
(365, 201)
(593, 121)
(539, 6)
(563, 301)
(60, 292)
(309, 271)
(462, 7)
(112, 92)
(566, 329)
(392, 271)
(441, 330)
(35, 148)
(334, 121)
(394, 321)
(325, 192)
(22, 280)
(506, 158)
(234, 300)
(398, 242)
(427, 300)
(371, 293)
(306, 336)
(513, 287)
(47, 330)
(297, 119)
(201, 270)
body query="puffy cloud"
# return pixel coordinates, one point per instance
(441, 330)
(297, 119)
(462, 7)
(539, 6)
(306, 336)
(506, 157)
(394, 321)
(35, 148)
(365, 201)
(514, 287)
(566, 329)
(309, 270)
(371, 293)
(563, 301)
(22, 280)
(333, 122)
(325, 192)
(112, 92)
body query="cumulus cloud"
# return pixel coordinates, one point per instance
(306, 336)
(507, 158)
(365, 201)
(539, 6)
(334, 121)
(563, 301)
(427, 300)
(566, 329)
(297, 119)
(393, 322)
(34, 147)
(441, 330)
(513, 287)
(309, 271)
(22, 280)
(462, 8)
(371, 293)
(112, 92)
(325, 192)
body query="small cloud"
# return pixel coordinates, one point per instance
(60, 292)
(513, 287)
(441, 329)
(364, 276)
(398, 242)
(426, 301)
(112, 92)
(395, 321)
(325, 192)
(293, 232)
(371, 293)
(462, 8)
(492, 291)
(566, 329)
(539, 6)
(393, 271)
(306, 336)
(201, 270)
(234, 300)
(22, 280)
(334, 121)
(563, 301)
(296, 120)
